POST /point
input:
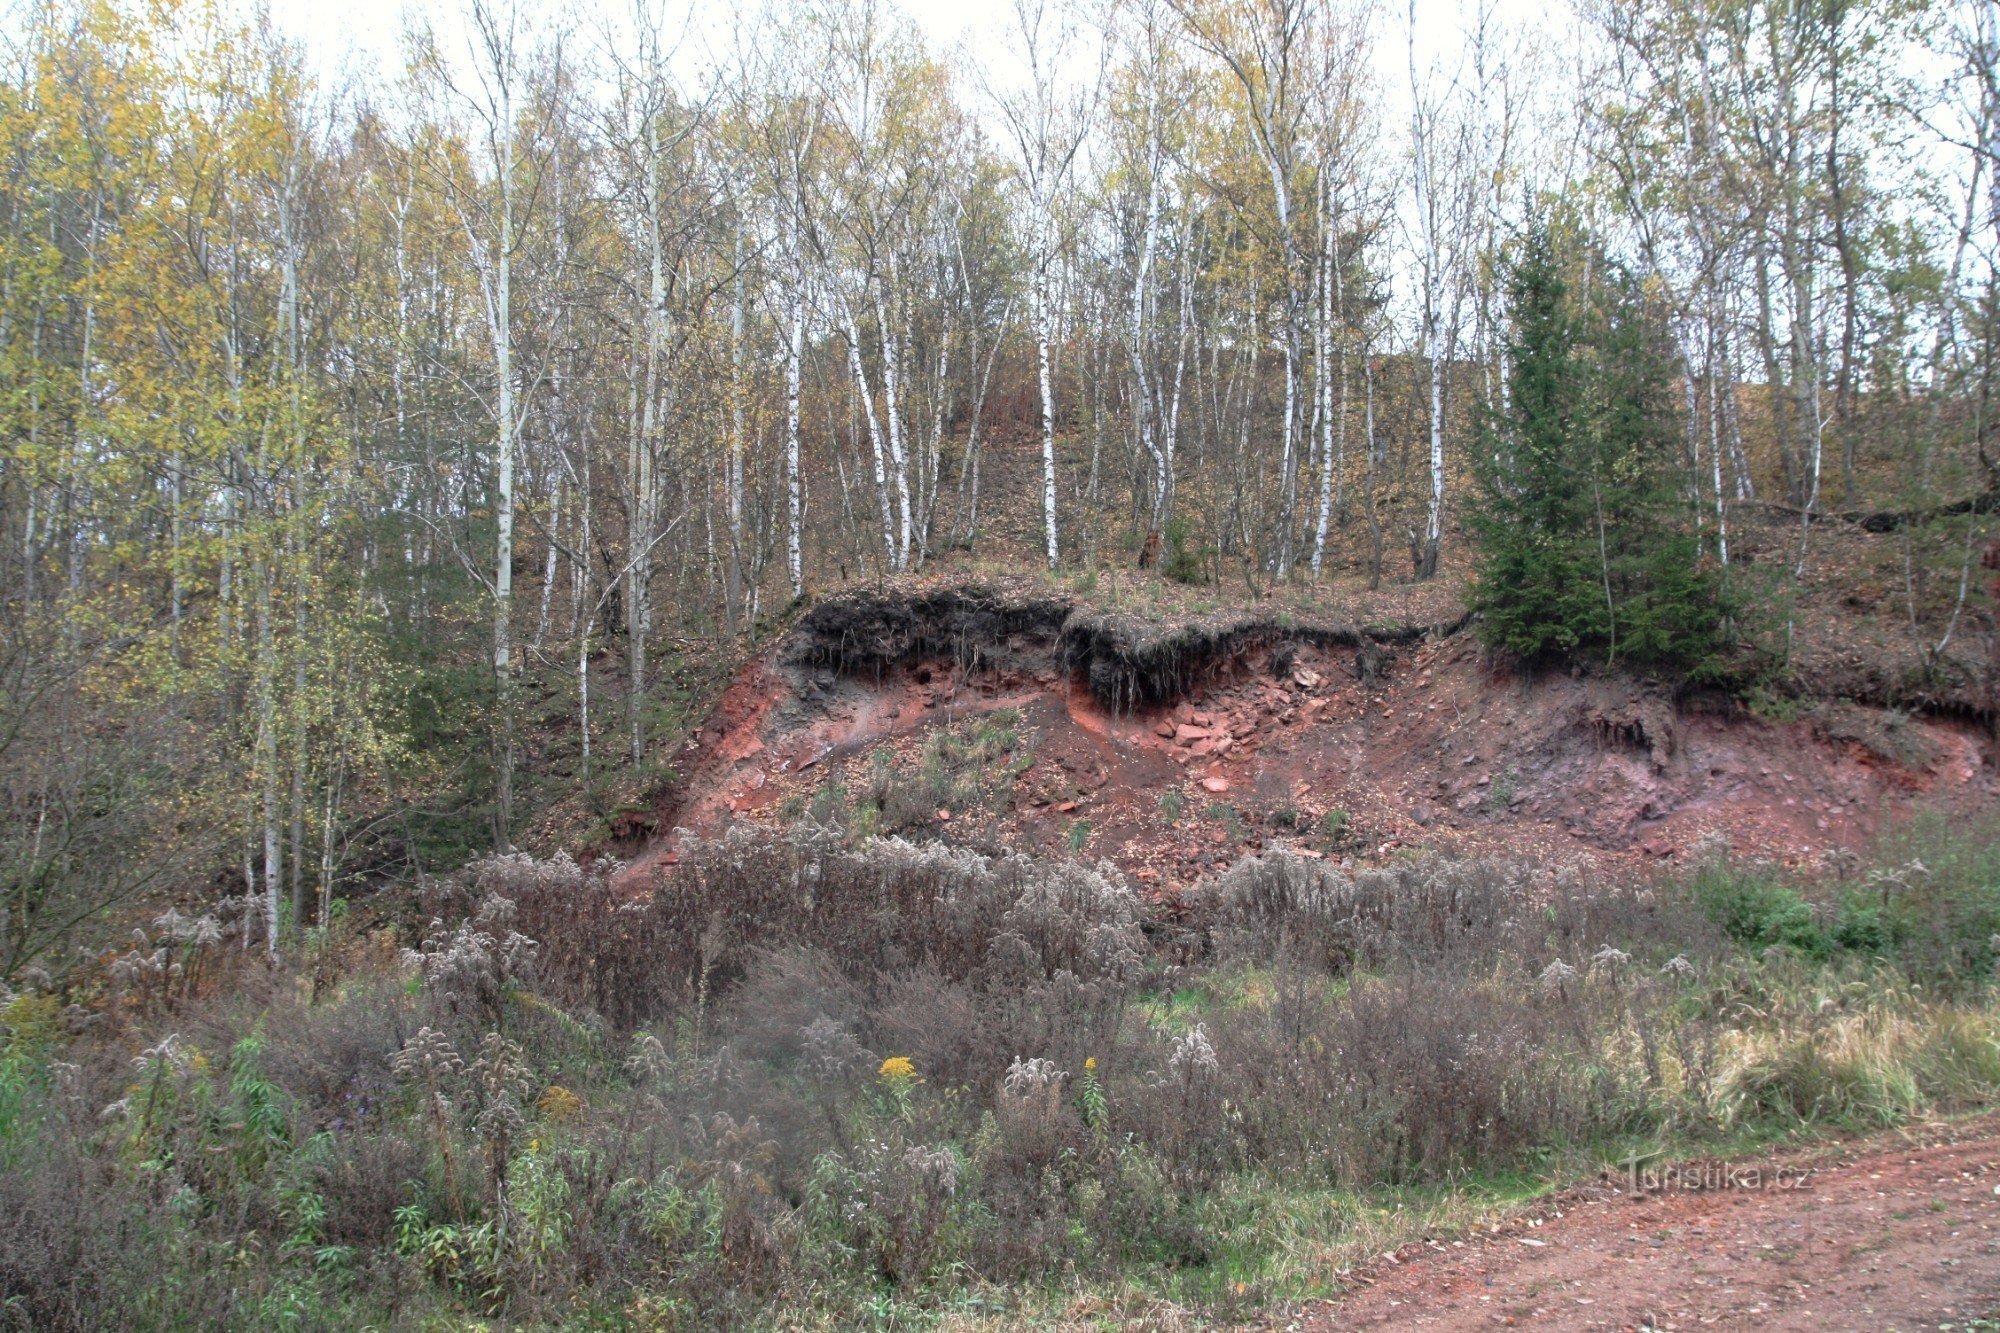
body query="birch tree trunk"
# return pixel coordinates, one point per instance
(865, 398)
(893, 413)
(1434, 277)
(643, 462)
(795, 346)
(1046, 381)
(1142, 389)
(503, 549)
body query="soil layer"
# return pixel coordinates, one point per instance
(1172, 746)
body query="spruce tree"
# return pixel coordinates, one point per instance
(1587, 549)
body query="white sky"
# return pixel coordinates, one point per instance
(364, 37)
(369, 32)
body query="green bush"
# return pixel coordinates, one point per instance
(1182, 560)
(1936, 886)
(1758, 908)
(1931, 903)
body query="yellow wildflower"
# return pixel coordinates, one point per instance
(559, 1105)
(897, 1068)
(1090, 1062)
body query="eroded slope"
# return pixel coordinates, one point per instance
(1007, 715)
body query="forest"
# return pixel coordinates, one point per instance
(351, 431)
(397, 466)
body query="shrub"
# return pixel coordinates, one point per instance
(587, 944)
(1756, 907)
(1936, 886)
(888, 904)
(871, 1078)
(895, 1200)
(1433, 912)
(1446, 1075)
(1932, 903)
(1183, 561)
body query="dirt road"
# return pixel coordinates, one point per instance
(1897, 1232)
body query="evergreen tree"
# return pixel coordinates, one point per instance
(1587, 548)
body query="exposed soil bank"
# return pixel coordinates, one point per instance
(1172, 744)
(1127, 659)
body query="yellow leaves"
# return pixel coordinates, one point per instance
(30, 1021)
(559, 1106)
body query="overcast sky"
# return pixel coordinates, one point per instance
(364, 37)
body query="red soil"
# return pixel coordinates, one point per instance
(1442, 753)
(1898, 1232)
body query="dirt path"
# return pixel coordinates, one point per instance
(1897, 1232)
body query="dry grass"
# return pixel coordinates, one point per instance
(825, 1085)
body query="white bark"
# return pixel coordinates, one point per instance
(1437, 278)
(893, 413)
(866, 396)
(795, 347)
(1332, 300)
(641, 465)
(1142, 393)
(1046, 381)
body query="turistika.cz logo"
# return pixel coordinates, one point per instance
(1691, 1177)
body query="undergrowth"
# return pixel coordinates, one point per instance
(969, 766)
(866, 1083)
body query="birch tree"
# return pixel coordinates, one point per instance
(1046, 127)
(493, 199)
(1436, 220)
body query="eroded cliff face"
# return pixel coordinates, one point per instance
(1000, 718)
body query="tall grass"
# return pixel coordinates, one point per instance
(865, 1083)
(1927, 901)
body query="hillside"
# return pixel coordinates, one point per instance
(1107, 669)
(1007, 952)
(1153, 727)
